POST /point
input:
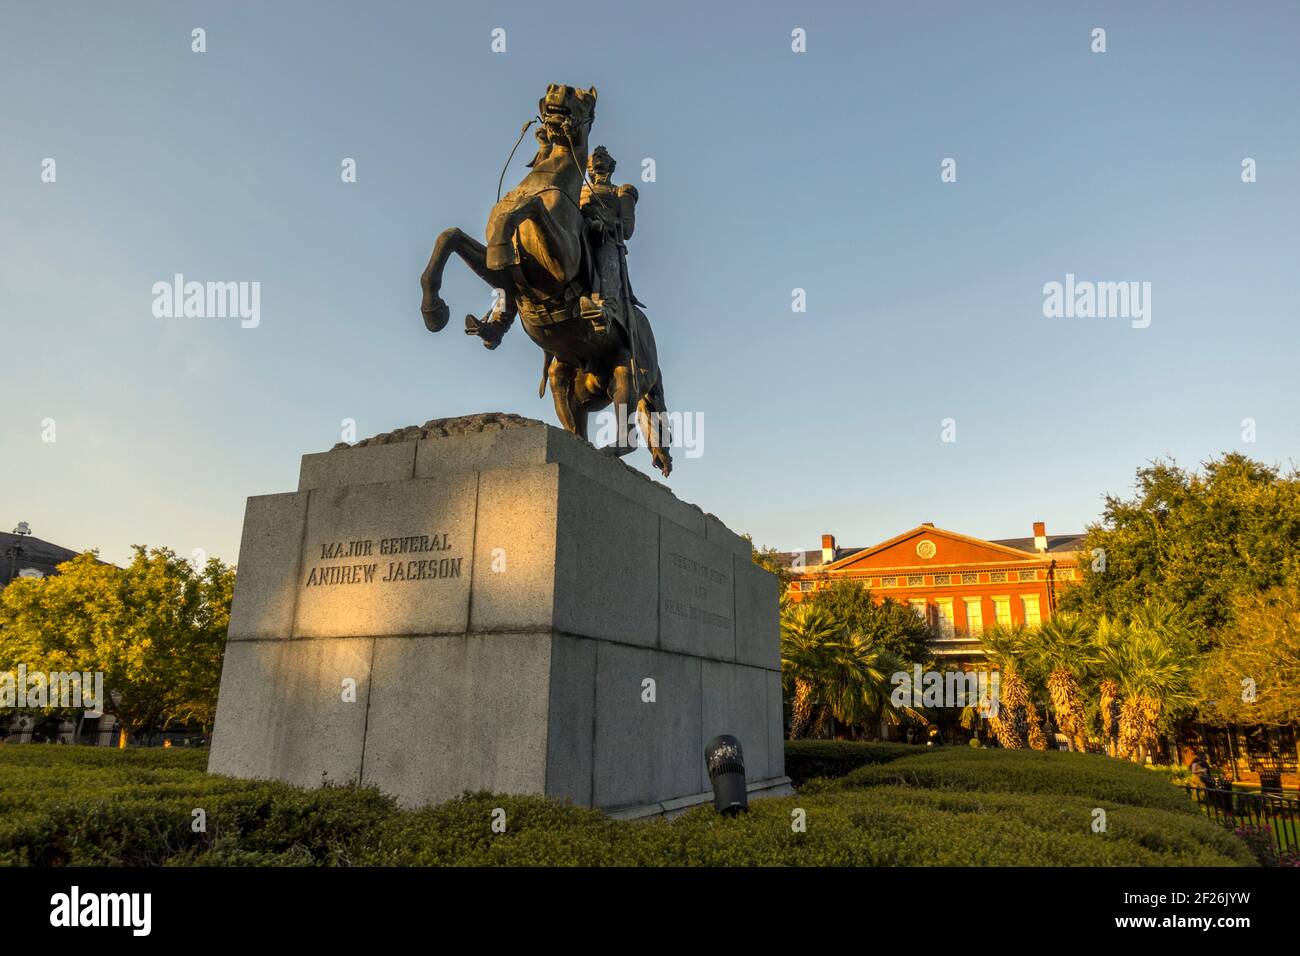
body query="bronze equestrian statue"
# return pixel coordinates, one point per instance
(555, 252)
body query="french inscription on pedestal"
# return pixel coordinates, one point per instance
(703, 577)
(697, 609)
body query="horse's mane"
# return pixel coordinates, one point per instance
(543, 152)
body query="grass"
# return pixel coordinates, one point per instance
(954, 806)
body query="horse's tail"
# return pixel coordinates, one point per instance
(546, 373)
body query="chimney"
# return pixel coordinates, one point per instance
(1040, 537)
(828, 548)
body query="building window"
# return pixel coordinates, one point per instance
(1002, 611)
(915, 580)
(1065, 574)
(970, 577)
(1028, 575)
(974, 617)
(889, 582)
(997, 577)
(943, 579)
(944, 607)
(1032, 616)
(918, 605)
(806, 585)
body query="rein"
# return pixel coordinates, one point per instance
(582, 173)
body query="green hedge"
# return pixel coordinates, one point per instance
(1098, 778)
(807, 759)
(76, 806)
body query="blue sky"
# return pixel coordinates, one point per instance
(775, 170)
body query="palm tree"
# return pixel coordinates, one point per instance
(806, 633)
(1062, 649)
(1152, 665)
(822, 663)
(1011, 723)
(1107, 636)
(866, 695)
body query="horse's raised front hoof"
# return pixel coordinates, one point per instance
(436, 313)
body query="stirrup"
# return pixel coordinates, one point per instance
(592, 308)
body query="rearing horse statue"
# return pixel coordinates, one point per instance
(539, 258)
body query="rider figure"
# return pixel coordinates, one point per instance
(610, 213)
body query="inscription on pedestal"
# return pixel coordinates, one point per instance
(415, 569)
(697, 587)
(705, 577)
(387, 559)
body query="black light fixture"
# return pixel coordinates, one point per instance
(726, 763)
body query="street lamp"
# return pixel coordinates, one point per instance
(22, 530)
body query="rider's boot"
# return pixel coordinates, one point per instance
(491, 328)
(593, 308)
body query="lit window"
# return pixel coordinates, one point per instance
(944, 608)
(943, 579)
(1002, 610)
(1032, 616)
(889, 582)
(1028, 575)
(970, 577)
(974, 617)
(915, 580)
(997, 577)
(918, 605)
(1065, 574)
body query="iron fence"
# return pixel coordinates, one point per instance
(1262, 812)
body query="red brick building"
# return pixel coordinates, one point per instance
(959, 584)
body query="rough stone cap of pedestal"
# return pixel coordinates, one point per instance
(500, 440)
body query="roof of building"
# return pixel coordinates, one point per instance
(37, 554)
(1056, 544)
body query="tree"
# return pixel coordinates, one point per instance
(1195, 540)
(1151, 662)
(1107, 634)
(806, 633)
(1253, 674)
(155, 629)
(770, 559)
(860, 695)
(824, 663)
(888, 625)
(51, 624)
(1016, 722)
(1061, 650)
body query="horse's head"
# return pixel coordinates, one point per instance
(567, 113)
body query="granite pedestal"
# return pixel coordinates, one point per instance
(491, 604)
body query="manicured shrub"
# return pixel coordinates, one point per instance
(80, 806)
(807, 759)
(1091, 776)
